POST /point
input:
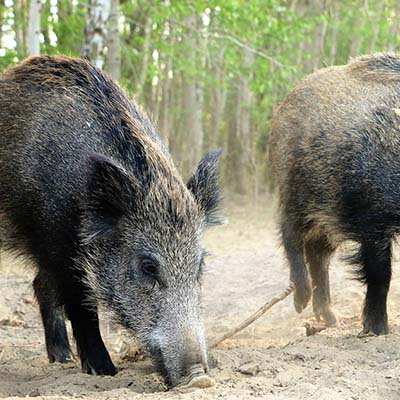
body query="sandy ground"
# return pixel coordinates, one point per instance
(272, 359)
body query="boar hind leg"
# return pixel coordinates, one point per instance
(94, 356)
(318, 252)
(57, 343)
(375, 260)
(293, 243)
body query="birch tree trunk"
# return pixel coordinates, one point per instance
(114, 47)
(33, 32)
(96, 31)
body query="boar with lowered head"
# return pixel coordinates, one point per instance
(90, 195)
(335, 157)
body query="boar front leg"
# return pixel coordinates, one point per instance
(57, 343)
(94, 356)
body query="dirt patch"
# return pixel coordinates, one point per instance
(272, 359)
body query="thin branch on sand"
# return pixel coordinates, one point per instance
(260, 312)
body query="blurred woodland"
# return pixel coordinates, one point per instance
(209, 73)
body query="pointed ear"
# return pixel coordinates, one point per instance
(111, 193)
(205, 187)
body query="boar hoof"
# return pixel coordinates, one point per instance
(62, 356)
(302, 296)
(374, 327)
(105, 369)
(327, 315)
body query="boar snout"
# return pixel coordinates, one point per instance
(181, 355)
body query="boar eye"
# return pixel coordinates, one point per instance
(149, 267)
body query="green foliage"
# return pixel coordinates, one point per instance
(69, 29)
(8, 59)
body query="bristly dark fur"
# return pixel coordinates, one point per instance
(381, 66)
(334, 151)
(90, 194)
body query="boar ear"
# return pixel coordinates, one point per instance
(205, 187)
(110, 194)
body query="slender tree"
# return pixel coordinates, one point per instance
(218, 100)
(113, 42)
(19, 8)
(34, 32)
(98, 14)
(1, 20)
(192, 98)
(165, 118)
(145, 51)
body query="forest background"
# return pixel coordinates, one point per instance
(209, 73)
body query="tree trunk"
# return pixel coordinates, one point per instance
(176, 140)
(334, 35)
(96, 31)
(1, 20)
(218, 99)
(192, 99)
(114, 47)
(231, 141)
(19, 8)
(44, 29)
(243, 122)
(304, 51)
(319, 38)
(154, 104)
(375, 26)
(193, 123)
(145, 61)
(355, 42)
(165, 121)
(394, 30)
(33, 33)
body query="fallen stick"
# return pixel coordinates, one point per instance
(261, 311)
(313, 329)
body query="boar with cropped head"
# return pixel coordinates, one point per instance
(90, 194)
(334, 151)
